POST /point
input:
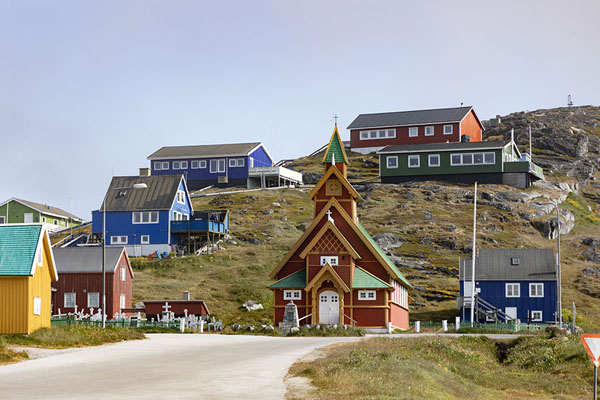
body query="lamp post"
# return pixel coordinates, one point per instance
(135, 186)
(558, 272)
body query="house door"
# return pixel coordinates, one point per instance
(329, 308)
(511, 312)
(28, 218)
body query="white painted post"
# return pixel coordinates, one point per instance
(201, 326)
(417, 326)
(389, 327)
(181, 325)
(445, 325)
(457, 322)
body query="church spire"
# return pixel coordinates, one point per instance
(335, 152)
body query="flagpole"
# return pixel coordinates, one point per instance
(473, 256)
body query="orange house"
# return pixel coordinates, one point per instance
(336, 273)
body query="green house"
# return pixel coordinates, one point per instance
(18, 211)
(466, 162)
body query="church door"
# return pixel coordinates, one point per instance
(329, 308)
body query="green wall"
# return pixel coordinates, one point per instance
(17, 213)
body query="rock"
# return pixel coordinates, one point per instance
(591, 271)
(268, 212)
(250, 328)
(427, 215)
(452, 228)
(275, 204)
(269, 328)
(294, 329)
(567, 222)
(526, 216)
(284, 218)
(388, 241)
(591, 254)
(482, 217)
(310, 178)
(401, 206)
(426, 241)
(139, 305)
(252, 305)
(303, 226)
(232, 242)
(253, 241)
(235, 327)
(582, 146)
(449, 244)
(555, 331)
(591, 241)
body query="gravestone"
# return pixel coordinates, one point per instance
(290, 318)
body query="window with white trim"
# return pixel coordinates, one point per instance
(123, 273)
(414, 161)
(241, 162)
(2, 219)
(536, 290)
(202, 163)
(145, 239)
(377, 134)
(217, 165)
(367, 295)
(413, 131)
(122, 301)
(478, 158)
(515, 261)
(447, 129)
(195, 164)
(467, 159)
(70, 300)
(165, 165)
(232, 163)
(331, 260)
(429, 130)
(489, 158)
(392, 161)
(93, 299)
(55, 222)
(145, 217)
(181, 196)
(37, 306)
(184, 165)
(434, 160)
(176, 165)
(158, 165)
(118, 240)
(292, 294)
(536, 316)
(513, 290)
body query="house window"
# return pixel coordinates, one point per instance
(382, 134)
(2, 219)
(145, 239)
(447, 129)
(250, 162)
(123, 274)
(184, 165)
(413, 131)
(490, 158)
(202, 163)
(434, 160)
(181, 196)
(232, 163)
(177, 216)
(122, 301)
(391, 133)
(165, 165)
(55, 222)
(217, 165)
(241, 162)
(93, 300)
(70, 300)
(467, 159)
(364, 135)
(176, 165)
(44, 220)
(292, 294)
(429, 131)
(373, 134)
(513, 290)
(515, 261)
(145, 217)
(536, 290)
(186, 217)
(118, 240)
(478, 158)
(37, 306)
(195, 164)
(331, 260)
(536, 316)
(158, 166)
(392, 162)
(414, 161)
(367, 294)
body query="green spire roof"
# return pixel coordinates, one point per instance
(335, 149)
(297, 280)
(18, 244)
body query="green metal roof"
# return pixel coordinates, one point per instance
(383, 255)
(364, 280)
(295, 280)
(336, 146)
(18, 244)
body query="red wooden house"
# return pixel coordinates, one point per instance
(80, 283)
(335, 272)
(372, 132)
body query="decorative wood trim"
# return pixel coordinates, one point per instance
(340, 200)
(334, 171)
(329, 226)
(320, 277)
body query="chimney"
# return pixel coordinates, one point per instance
(145, 172)
(186, 296)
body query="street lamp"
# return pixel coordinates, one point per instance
(558, 272)
(135, 186)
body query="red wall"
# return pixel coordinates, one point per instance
(402, 136)
(470, 126)
(399, 317)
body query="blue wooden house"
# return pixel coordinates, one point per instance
(140, 219)
(215, 164)
(510, 284)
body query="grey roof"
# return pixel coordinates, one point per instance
(207, 150)
(416, 117)
(159, 195)
(495, 265)
(450, 146)
(85, 259)
(46, 209)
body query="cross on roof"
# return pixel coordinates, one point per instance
(329, 218)
(335, 117)
(166, 306)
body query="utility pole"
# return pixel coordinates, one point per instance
(530, 154)
(473, 256)
(558, 272)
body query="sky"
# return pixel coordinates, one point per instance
(89, 89)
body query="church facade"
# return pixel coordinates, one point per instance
(336, 273)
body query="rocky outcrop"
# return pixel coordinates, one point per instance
(550, 227)
(388, 241)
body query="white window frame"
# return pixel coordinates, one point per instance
(374, 134)
(413, 131)
(390, 158)
(44, 220)
(37, 306)
(391, 133)
(241, 162)
(493, 158)
(55, 222)
(533, 292)
(122, 301)
(176, 164)
(90, 299)
(157, 165)
(412, 157)
(431, 128)
(232, 163)
(331, 260)
(123, 273)
(118, 239)
(218, 162)
(165, 165)
(540, 318)
(475, 155)
(463, 162)
(142, 214)
(430, 164)
(292, 294)
(70, 296)
(515, 261)
(446, 132)
(364, 135)
(2, 219)
(222, 163)
(184, 165)
(370, 295)
(512, 290)
(180, 197)
(145, 239)
(195, 164)
(202, 163)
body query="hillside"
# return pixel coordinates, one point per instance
(431, 219)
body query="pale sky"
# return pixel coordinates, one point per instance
(88, 88)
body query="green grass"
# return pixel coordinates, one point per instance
(531, 367)
(8, 356)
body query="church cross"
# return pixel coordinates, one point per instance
(329, 218)
(335, 117)
(166, 306)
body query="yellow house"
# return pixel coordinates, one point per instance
(27, 270)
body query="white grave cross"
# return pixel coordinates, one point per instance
(166, 306)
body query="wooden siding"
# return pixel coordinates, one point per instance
(471, 127)
(402, 137)
(399, 317)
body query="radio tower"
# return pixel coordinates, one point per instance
(569, 102)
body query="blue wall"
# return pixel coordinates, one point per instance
(494, 292)
(260, 158)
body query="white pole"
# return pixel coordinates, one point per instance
(473, 256)
(559, 291)
(530, 154)
(104, 260)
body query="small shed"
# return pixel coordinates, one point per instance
(27, 270)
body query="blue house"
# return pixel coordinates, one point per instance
(510, 284)
(214, 164)
(140, 219)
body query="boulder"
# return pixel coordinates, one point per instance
(591, 254)
(591, 271)
(252, 305)
(388, 241)
(427, 215)
(567, 222)
(591, 241)
(303, 226)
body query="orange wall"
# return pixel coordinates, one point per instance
(399, 317)
(470, 127)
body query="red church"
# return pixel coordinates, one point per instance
(335, 272)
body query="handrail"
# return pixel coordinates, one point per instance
(490, 307)
(351, 320)
(306, 316)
